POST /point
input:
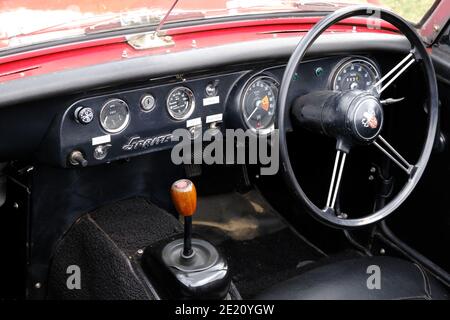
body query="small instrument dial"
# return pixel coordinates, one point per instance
(180, 103)
(115, 116)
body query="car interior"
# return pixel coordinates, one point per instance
(358, 118)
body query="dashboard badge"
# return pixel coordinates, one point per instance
(138, 143)
(370, 120)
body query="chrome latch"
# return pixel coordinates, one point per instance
(150, 40)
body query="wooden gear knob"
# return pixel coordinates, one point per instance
(184, 197)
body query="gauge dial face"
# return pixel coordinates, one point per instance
(356, 74)
(180, 103)
(114, 116)
(259, 102)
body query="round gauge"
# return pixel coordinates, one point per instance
(114, 116)
(258, 104)
(180, 103)
(355, 74)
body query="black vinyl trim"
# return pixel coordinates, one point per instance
(441, 63)
(387, 235)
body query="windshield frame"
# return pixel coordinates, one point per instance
(124, 31)
(434, 25)
(140, 29)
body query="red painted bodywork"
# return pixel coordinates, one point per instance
(433, 26)
(75, 55)
(95, 52)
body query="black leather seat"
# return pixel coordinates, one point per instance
(347, 280)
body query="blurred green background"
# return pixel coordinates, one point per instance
(412, 10)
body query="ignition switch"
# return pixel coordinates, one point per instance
(101, 151)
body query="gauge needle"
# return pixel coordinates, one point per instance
(254, 110)
(251, 115)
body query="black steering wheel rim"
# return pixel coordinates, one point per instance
(284, 112)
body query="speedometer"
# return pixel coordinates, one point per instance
(259, 101)
(180, 103)
(355, 74)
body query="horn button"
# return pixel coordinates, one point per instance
(365, 117)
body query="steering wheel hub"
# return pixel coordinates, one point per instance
(351, 117)
(366, 117)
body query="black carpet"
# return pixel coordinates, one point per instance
(261, 249)
(135, 223)
(101, 244)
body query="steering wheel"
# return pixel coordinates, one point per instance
(354, 118)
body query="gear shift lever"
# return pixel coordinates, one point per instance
(184, 197)
(189, 268)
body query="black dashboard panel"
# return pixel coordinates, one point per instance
(147, 131)
(33, 110)
(51, 133)
(90, 144)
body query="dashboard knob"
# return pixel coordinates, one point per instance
(211, 89)
(76, 158)
(84, 115)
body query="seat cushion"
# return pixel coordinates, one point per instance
(356, 279)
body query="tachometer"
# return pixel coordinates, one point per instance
(355, 74)
(259, 101)
(114, 116)
(180, 103)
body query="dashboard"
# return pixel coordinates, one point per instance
(125, 123)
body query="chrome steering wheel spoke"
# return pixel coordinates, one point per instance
(394, 155)
(408, 61)
(336, 178)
